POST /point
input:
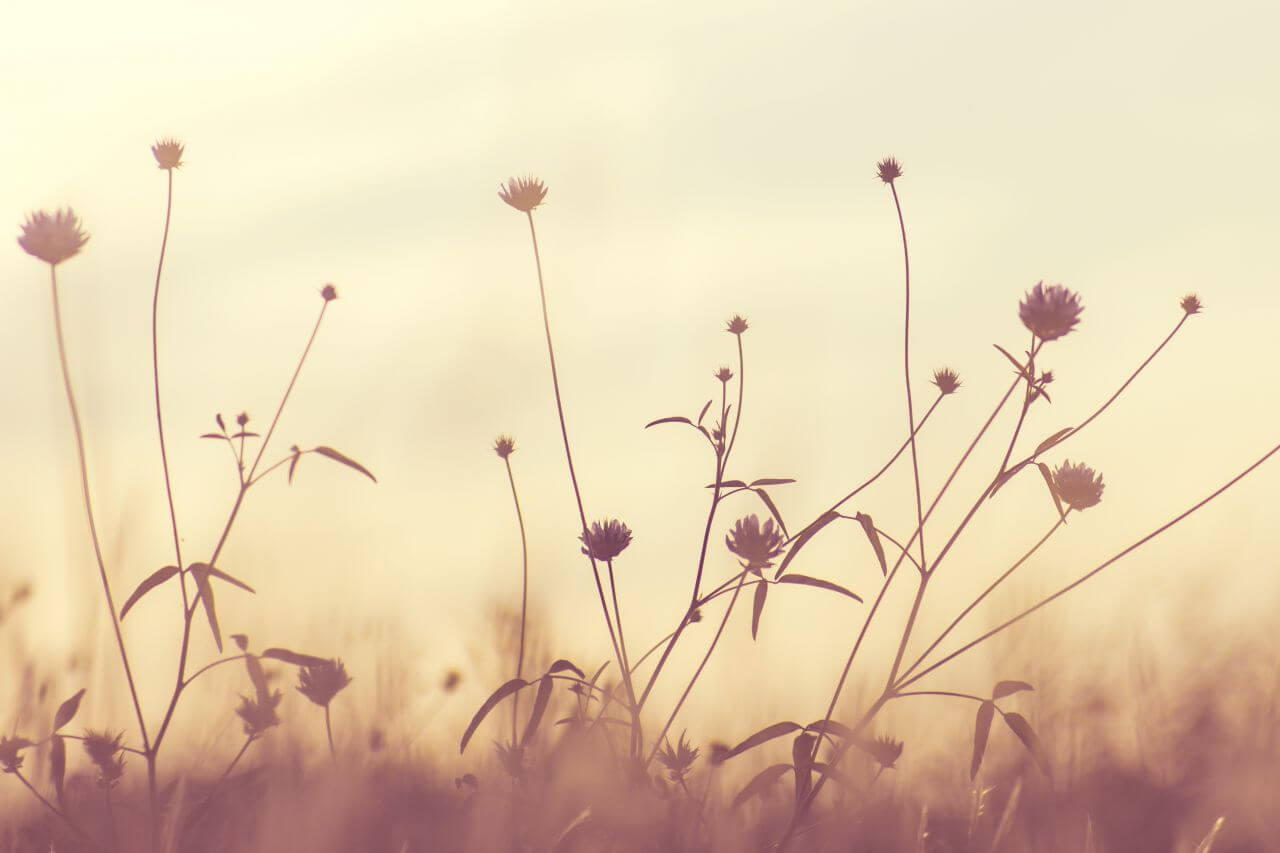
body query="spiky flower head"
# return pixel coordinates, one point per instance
(888, 170)
(320, 682)
(885, 750)
(1079, 486)
(947, 380)
(1191, 303)
(168, 153)
(329, 293)
(758, 545)
(1050, 312)
(52, 237)
(678, 760)
(737, 324)
(504, 446)
(606, 540)
(105, 750)
(724, 374)
(524, 194)
(259, 714)
(10, 760)
(511, 757)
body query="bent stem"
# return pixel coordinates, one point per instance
(88, 504)
(328, 730)
(524, 596)
(217, 786)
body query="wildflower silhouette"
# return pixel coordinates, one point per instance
(885, 750)
(758, 545)
(524, 194)
(1050, 312)
(888, 170)
(10, 747)
(678, 760)
(606, 540)
(946, 380)
(736, 325)
(322, 681)
(104, 750)
(724, 374)
(1078, 485)
(259, 714)
(52, 237)
(329, 293)
(504, 446)
(1191, 304)
(168, 153)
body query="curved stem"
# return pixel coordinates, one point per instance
(202, 670)
(1102, 566)
(208, 800)
(524, 596)
(75, 827)
(88, 504)
(906, 364)
(328, 730)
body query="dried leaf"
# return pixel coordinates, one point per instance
(1027, 735)
(761, 783)
(293, 657)
(58, 762)
(763, 736)
(757, 606)
(803, 537)
(501, 693)
(200, 572)
(873, 536)
(820, 584)
(1008, 688)
(345, 460)
(539, 707)
(1052, 440)
(156, 578)
(981, 732)
(67, 710)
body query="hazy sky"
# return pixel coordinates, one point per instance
(703, 159)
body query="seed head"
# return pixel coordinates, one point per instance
(1079, 486)
(52, 237)
(168, 153)
(329, 292)
(524, 194)
(104, 751)
(10, 760)
(1191, 303)
(606, 540)
(504, 446)
(759, 546)
(1050, 312)
(511, 757)
(724, 374)
(259, 714)
(888, 170)
(322, 681)
(737, 325)
(679, 760)
(947, 380)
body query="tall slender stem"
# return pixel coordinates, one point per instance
(75, 827)
(328, 730)
(906, 365)
(217, 786)
(88, 504)
(524, 595)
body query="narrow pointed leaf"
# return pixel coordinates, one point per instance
(293, 463)
(214, 435)
(242, 640)
(757, 606)
(1005, 477)
(1008, 688)
(873, 536)
(562, 665)
(257, 676)
(803, 537)
(773, 510)
(1022, 371)
(222, 425)
(762, 782)
(345, 460)
(981, 732)
(243, 434)
(67, 710)
(1053, 489)
(703, 413)
(156, 578)
(1027, 735)
(1052, 440)
(728, 484)
(498, 695)
(830, 727)
(539, 707)
(763, 736)
(820, 584)
(772, 481)
(676, 419)
(293, 657)
(199, 571)
(221, 575)
(58, 762)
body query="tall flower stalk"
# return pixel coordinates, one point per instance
(504, 447)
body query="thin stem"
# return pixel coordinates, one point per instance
(1058, 523)
(208, 800)
(948, 693)
(906, 364)
(88, 503)
(697, 673)
(193, 676)
(1119, 555)
(626, 665)
(287, 391)
(75, 827)
(328, 730)
(524, 595)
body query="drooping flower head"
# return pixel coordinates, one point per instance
(1191, 303)
(724, 374)
(168, 153)
(1079, 486)
(52, 237)
(504, 446)
(758, 545)
(259, 714)
(606, 540)
(888, 170)
(322, 681)
(678, 760)
(524, 194)
(1050, 312)
(737, 325)
(947, 380)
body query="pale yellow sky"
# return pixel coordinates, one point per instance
(701, 161)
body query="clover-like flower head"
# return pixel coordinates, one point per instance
(737, 324)
(504, 446)
(1191, 304)
(1079, 486)
(758, 545)
(52, 237)
(259, 714)
(947, 380)
(320, 682)
(606, 540)
(888, 170)
(524, 194)
(105, 751)
(168, 153)
(329, 293)
(1050, 312)
(724, 374)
